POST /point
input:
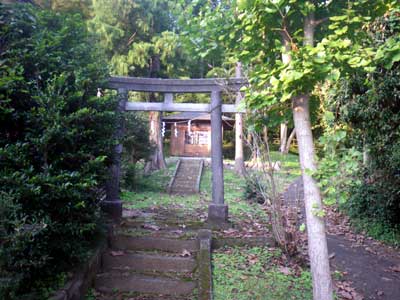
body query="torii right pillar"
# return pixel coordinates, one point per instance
(217, 210)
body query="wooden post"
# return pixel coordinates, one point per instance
(113, 204)
(168, 98)
(217, 210)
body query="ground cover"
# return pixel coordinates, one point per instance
(258, 273)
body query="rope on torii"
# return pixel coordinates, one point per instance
(163, 129)
(175, 130)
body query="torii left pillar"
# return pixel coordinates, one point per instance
(217, 209)
(112, 205)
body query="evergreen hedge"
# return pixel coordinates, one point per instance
(55, 141)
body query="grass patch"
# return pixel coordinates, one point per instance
(252, 273)
(150, 190)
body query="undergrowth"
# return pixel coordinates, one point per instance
(253, 273)
(378, 231)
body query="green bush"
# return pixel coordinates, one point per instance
(376, 201)
(137, 146)
(55, 140)
(364, 117)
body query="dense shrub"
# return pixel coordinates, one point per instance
(55, 140)
(375, 117)
(370, 111)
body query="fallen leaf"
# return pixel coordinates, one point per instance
(151, 227)
(284, 270)
(230, 231)
(395, 268)
(117, 253)
(177, 231)
(380, 293)
(131, 213)
(345, 295)
(185, 253)
(253, 259)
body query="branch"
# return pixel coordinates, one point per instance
(320, 21)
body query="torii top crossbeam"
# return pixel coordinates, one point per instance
(176, 85)
(170, 86)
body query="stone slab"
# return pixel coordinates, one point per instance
(204, 261)
(217, 213)
(243, 241)
(126, 242)
(143, 284)
(147, 262)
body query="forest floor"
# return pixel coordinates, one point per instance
(368, 269)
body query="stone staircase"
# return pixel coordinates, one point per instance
(186, 179)
(150, 258)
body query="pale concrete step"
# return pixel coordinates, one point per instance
(186, 177)
(183, 192)
(170, 226)
(184, 186)
(148, 262)
(112, 282)
(185, 181)
(128, 242)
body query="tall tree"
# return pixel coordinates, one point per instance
(302, 43)
(140, 41)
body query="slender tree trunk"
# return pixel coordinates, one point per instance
(317, 245)
(366, 157)
(239, 157)
(283, 137)
(157, 160)
(265, 135)
(289, 141)
(286, 58)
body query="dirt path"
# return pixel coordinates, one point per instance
(371, 270)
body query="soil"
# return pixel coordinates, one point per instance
(369, 269)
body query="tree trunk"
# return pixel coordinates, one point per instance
(289, 141)
(366, 156)
(157, 161)
(317, 245)
(239, 158)
(283, 137)
(265, 135)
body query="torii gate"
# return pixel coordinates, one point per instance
(217, 209)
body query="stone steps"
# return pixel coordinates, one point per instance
(112, 282)
(138, 265)
(186, 178)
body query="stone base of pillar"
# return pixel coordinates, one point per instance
(217, 213)
(112, 208)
